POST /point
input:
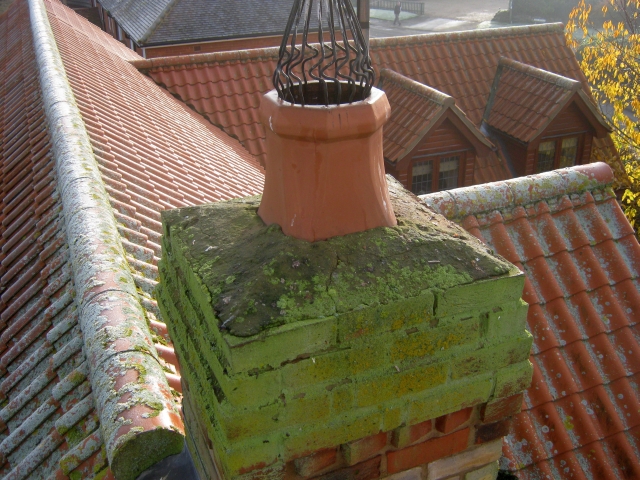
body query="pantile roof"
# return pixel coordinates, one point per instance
(565, 230)
(101, 174)
(98, 137)
(226, 87)
(46, 396)
(416, 109)
(524, 100)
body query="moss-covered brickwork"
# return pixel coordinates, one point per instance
(287, 346)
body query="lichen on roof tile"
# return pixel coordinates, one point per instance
(581, 316)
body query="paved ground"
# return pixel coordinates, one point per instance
(440, 16)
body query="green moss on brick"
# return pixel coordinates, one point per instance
(143, 450)
(493, 357)
(437, 342)
(450, 397)
(279, 279)
(513, 379)
(395, 384)
(294, 346)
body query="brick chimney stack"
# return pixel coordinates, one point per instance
(367, 337)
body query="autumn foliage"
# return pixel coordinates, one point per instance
(610, 59)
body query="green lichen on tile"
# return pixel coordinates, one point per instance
(141, 450)
(256, 278)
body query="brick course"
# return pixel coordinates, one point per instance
(360, 450)
(448, 423)
(427, 451)
(316, 462)
(501, 408)
(320, 388)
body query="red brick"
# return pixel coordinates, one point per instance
(486, 433)
(448, 423)
(404, 436)
(368, 470)
(428, 451)
(360, 450)
(501, 408)
(316, 462)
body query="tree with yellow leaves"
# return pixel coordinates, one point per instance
(610, 59)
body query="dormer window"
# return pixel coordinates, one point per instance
(542, 121)
(557, 153)
(440, 173)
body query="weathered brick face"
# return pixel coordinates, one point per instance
(358, 357)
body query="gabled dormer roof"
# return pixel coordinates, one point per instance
(416, 109)
(524, 100)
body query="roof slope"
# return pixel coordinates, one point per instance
(565, 230)
(464, 64)
(525, 99)
(226, 87)
(135, 17)
(192, 20)
(415, 109)
(48, 413)
(164, 22)
(153, 153)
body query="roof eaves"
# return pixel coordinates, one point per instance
(435, 96)
(472, 128)
(571, 86)
(117, 341)
(418, 88)
(457, 204)
(160, 63)
(544, 75)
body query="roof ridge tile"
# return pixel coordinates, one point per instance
(520, 191)
(104, 284)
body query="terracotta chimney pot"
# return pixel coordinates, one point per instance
(325, 168)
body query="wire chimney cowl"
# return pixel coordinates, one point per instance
(314, 70)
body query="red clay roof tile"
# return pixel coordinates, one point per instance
(581, 413)
(164, 158)
(461, 64)
(524, 99)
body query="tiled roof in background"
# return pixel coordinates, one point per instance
(164, 22)
(135, 17)
(48, 414)
(525, 99)
(191, 20)
(153, 153)
(226, 87)
(565, 230)
(415, 109)
(464, 64)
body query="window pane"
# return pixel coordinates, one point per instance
(449, 168)
(568, 152)
(422, 177)
(546, 155)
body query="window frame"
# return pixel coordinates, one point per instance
(557, 139)
(436, 158)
